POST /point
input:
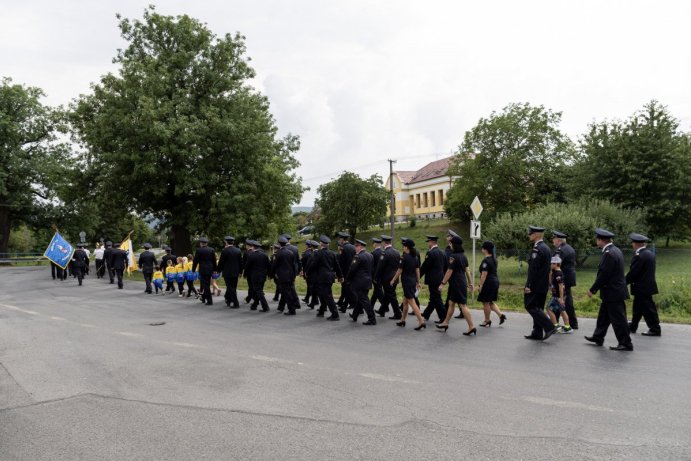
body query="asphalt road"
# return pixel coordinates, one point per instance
(83, 375)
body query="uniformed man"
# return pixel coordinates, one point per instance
(147, 262)
(611, 283)
(448, 252)
(164, 264)
(345, 259)
(119, 264)
(310, 295)
(256, 268)
(386, 269)
(108, 261)
(324, 269)
(377, 290)
(283, 270)
(360, 278)
(568, 268)
(641, 277)
(205, 261)
(230, 266)
(433, 270)
(537, 285)
(79, 262)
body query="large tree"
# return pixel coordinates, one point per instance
(179, 134)
(351, 202)
(644, 162)
(31, 159)
(512, 160)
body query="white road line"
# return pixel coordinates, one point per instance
(392, 379)
(86, 325)
(56, 318)
(196, 346)
(15, 308)
(127, 333)
(565, 404)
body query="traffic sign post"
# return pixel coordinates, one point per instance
(476, 208)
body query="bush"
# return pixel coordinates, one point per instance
(412, 221)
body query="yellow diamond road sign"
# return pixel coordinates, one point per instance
(476, 207)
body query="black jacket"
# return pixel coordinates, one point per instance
(147, 261)
(284, 265)
(205, 259)
(346, 257)
(164, 261)
(610, 280)
(324, 267)
(568, 263)
(360, 271)
(257, 266)
(108, 257)
(305, 260)
(80, 258)
(230, 262)
(538, 268)
(641, 275)
(434, 267)
(119, 259)
(376, 257)
(388, 265)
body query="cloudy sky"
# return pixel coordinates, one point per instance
(364, 81)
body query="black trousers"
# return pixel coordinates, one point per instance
(613, 313)
(535, 305)
(111, 274)
(568, 307)
(390, 298)
(54, 270)
(362, 303)
(118, 274)
(377, 294)
(205, 281)
(190, 288)
(231, 294)
(326, 298)
(147, 280)
(644, 306)
(100, 268)
(435, 303)
(79, 272)
(288, 295)
(256, 292)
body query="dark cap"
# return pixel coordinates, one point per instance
(343, 235)
(313, 243)
(559, 234)
(109, 244)
(282, 240)
(376, 240)
(638, 238)
(324, 239)
(249, 242)
(203, 240)
(147, 246)
(534, 229)
(603, 233)
(257, 243)
(487, 245)
(287, 236)
(408, 243)
(457, 240)
(168, 249)
(452, 233)
(386, 238)
(360, 242)
(229, 238)
(432, 238)
(80, 245)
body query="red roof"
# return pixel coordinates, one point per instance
(430, 171)
(406, 176)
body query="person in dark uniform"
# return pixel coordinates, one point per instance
(164, 265)
(277, 294)
(611, 283)
(120, 262)
(324, 270)
(360, 278)
(489, 284)
(537, 285)
(386, 269)
(568, 267)
(311, 298)
(230, 266)
(205, 260)
(147, 262)
(433, 269)
(80, 261)
(448, 251)
(256, 268)
(377, 290)
(345, 259)
(283, 270)
(409, 273)
(108, 261)
(458, 277)
(641, 277)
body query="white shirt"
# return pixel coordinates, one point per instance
(98, 253)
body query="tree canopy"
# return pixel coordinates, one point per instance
(351, 202)
(180, 135)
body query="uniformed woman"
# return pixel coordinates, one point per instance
(458, 277)
(409, 273)
(489, 284)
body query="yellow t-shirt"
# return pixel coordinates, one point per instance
(158, 275)
(188, 266)
(179, 268)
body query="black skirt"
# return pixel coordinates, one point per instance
(489, 292)
(409, 288)
(458, 293)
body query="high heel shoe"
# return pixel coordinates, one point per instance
(470, 332)
(442, 327)
(420, 327)
(502, 319)
(486, 323)
(401, 323)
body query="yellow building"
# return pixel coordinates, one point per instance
(421, 193)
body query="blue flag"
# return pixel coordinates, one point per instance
(59, 251)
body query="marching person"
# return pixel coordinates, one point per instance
(256, 268)
(459, 278)
(489, 285)
(283, 270)
(611, 283)
(108, 260)
(448, 251)
(360, 278)
(230, 266)
(433, 269)
(409, 273)
(147, 262)
(310, 296)
(641, 277)
(120, 263)
(568, 266)
(537, 285)
(190, 276)
(386, 269)
(169, 256)
(377, 291)
(80, 261)
(98, 256)
(345, 259)
(205, 260)
(324, 270)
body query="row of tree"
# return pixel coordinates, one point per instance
(176, 135)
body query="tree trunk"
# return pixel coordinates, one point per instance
(180, 241)
(667, 243)
(4, 228)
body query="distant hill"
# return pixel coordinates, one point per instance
(297, 209)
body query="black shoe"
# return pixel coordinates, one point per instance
(280, 309)
(370, 322)
(470, 332)
(382, 313)
(333, 318)
(459, 316)
(422, 326)
(342, 310)
(395, 317)
(264, 309)
(502, 319)
(305, 300)
(275, 298)
(632, 329)
(352, 317)
(595, 340)
(620, 347)
(253, 308)
(311, 306)
(442, 327)
(438, 321)
(534, 338)
(651, 333)
(289, 313)
(549, 333)
(320, 314)
(209, 303)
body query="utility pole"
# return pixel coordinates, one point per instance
(392, 206)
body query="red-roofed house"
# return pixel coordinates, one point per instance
(421, 193)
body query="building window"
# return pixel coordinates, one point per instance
(441, 197)
(424, 200)
(432, 199)
(417, 200)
